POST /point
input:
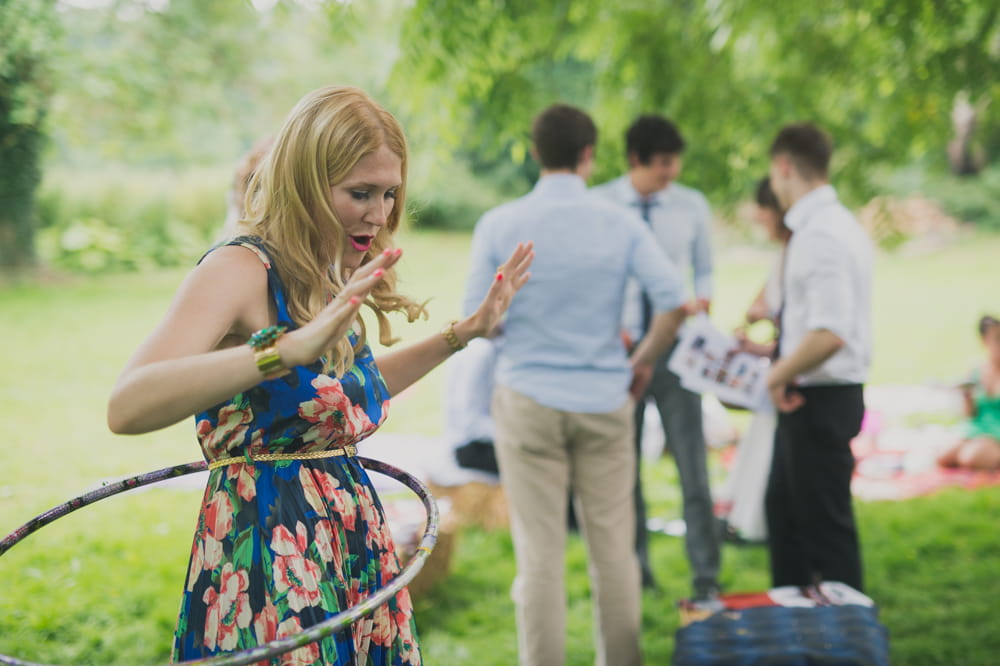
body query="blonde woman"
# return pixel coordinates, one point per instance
(265, 347)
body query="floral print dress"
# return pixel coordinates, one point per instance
(281, 546)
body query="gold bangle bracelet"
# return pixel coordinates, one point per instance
(269, 362)
(449, 335)
(265, 352)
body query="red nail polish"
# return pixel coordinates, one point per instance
(388, 252)
(499, 276)
(353, 300)
(378, 272)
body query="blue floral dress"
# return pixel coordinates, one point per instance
(281, 546)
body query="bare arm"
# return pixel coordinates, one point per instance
(968, 402)
(403, 367)
(195, 357)
(758, 309)
(967, 389)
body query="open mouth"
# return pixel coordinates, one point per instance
(361, 243)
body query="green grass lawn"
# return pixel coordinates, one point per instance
(102, 585)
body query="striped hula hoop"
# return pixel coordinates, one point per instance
(315, 633)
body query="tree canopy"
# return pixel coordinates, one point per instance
(174, 83)
(880, 76)
(27, 28)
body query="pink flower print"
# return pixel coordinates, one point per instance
(246, 484)
(213, 553)
(227, 433)
(303, 656)
(363, 639)
(228, 609)
(347, 508)
(390, 565)
(326, 496)
(367, 505)
(265, 624)
(382, 630)
(197, 562)
(324, 540)
(218, 517)
(401, 616)
(353, 591)
(219, 514)
(329, 547)
(211, 618)
(292, 571)
(337, 421)
(377, 536)
(319, 487)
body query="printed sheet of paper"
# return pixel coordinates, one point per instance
(709, 361)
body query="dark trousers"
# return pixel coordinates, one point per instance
(680, 412)
(812, 535)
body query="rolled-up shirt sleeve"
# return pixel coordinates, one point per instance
(654, 271)
(827, 290)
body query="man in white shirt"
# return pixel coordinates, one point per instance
(817, 380)
(680, 219)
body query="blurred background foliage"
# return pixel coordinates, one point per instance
(131, 114)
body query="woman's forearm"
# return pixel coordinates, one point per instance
(402, 367)
(159, 394)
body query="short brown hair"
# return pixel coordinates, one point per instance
(986, 322)
(560, 133)
(809, 147)
(650, 135)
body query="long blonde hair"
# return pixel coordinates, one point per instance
(288, 206)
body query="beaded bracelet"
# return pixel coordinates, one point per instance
(265, 351)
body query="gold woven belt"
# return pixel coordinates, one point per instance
(349, 450)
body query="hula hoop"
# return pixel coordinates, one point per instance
(315, 633)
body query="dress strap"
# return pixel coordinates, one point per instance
(256, 245)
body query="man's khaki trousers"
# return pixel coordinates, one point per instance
(543, 454)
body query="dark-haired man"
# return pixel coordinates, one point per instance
(562, 407)
(681, 220)
(816, 381)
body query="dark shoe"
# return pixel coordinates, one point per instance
(478, 455)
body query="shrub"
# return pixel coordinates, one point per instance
(974, 198)
(452, 197)
(129, 220)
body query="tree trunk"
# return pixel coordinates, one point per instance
(963, 156)
(20, 174)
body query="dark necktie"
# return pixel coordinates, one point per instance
(645, 204)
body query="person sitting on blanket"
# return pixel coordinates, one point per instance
(979, 447)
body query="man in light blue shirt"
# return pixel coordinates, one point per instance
(562, 407)
(680, 219)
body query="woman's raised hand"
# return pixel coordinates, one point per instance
(306, 344)
(511, 276)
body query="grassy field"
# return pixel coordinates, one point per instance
(102, 585)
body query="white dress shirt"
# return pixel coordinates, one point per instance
(827, 286)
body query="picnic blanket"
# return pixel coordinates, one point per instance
(905, 429)
(829, 624)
